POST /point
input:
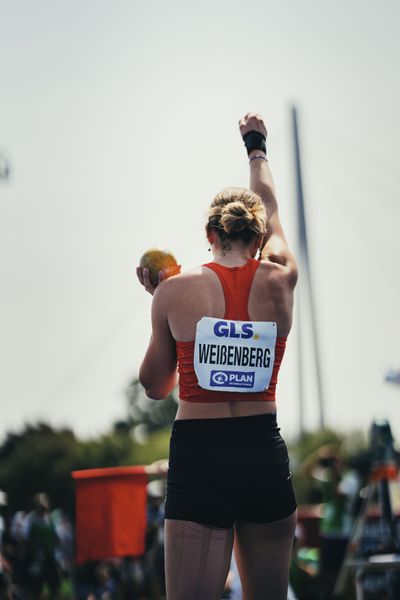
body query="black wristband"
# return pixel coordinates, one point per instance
(254, 140)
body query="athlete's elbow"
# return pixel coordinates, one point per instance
(160, 390)
(157, 387)
(154, 394)
(144, 379)
(151, 391)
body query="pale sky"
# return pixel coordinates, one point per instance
(119, 121)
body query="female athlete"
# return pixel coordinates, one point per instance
(223, 327)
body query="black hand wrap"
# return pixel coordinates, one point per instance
(254, 140)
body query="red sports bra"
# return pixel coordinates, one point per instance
(236, 284)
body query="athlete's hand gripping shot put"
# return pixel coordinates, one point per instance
(221, 330)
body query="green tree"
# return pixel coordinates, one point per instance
(41, 459)
(150, 415)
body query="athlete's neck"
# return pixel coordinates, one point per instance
(236, 257)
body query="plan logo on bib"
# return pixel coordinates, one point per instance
(232, 379)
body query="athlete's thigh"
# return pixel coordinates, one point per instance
(262, 553)
(197, 560)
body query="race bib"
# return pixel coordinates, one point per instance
(234, 356)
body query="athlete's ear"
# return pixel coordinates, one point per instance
(211, 235)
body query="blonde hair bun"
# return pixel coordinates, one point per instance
(235, 217)
(237, 213)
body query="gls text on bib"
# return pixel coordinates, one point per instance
(234, 356)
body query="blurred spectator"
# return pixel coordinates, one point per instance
(339, 488)
(106, 582)
(304, 583)
(40, 541)
(154, 556)
(64, 552)
(8, 551)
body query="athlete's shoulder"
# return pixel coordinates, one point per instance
(185, 278)
(177, 283)
(268, 267)
(277, 272)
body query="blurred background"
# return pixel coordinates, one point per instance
(118, 125)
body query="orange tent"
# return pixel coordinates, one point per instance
(110, 512)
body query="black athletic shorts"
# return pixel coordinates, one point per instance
(222, 470)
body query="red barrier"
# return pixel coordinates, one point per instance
(110, 512)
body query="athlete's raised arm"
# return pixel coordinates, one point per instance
(276, 248)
